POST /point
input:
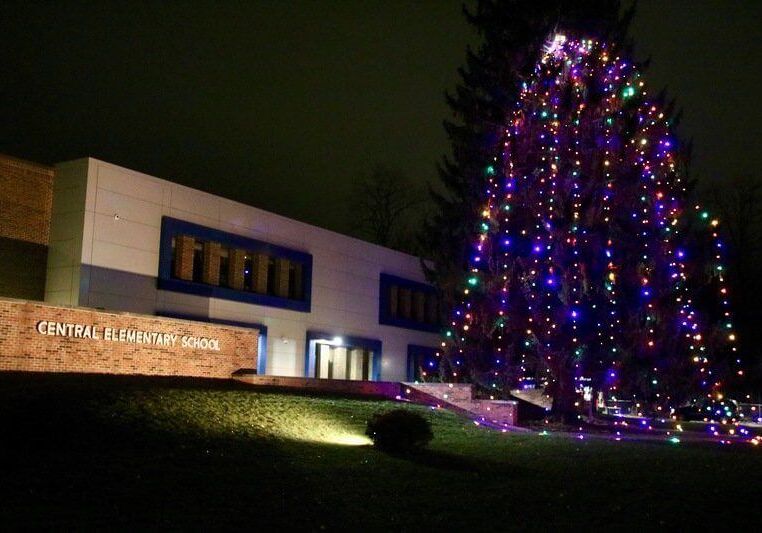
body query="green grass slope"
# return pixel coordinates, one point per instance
(85, 452)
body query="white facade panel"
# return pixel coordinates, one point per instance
(59, 279)
(68, 200)
(125, 258)
(187, 200)
(126, 233)
(67, 231)
(127, 182)
(62, 253)
(124, 207)
(243, 217)
(107, 246)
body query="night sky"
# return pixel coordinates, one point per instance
(283, 104)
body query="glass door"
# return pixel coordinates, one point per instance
(342, 362)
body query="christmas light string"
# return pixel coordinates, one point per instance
(537, 214)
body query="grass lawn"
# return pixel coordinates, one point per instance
(84, 452)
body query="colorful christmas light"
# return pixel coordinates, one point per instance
(588, 261)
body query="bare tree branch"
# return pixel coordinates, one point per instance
(380, 204)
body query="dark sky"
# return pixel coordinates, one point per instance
(283, 104)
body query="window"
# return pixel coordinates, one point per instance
(261, 273)
(248, 272)
(224, 267)
(295, 281)
(408, 304)
(271, 276)
(209, 262)
(174, 262)
(423, 363)
(198, 261)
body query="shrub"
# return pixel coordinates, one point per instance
(399, 431)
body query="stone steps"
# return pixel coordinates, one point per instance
(458, 397)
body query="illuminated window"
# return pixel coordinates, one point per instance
(408, 304)
(205, 261)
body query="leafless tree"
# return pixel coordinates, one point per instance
(739, 204)
(382, 205)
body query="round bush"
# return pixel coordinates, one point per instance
(399, 430)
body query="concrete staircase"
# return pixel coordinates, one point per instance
(458, 397)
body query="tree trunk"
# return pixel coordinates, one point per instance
(564, 397)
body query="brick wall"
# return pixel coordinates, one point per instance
(259, 273)
(236, 264)
(24, 348)
(381, 389)
(184, 257)
(458, 397)
(281, 277)
(211, 267)
(26, 199)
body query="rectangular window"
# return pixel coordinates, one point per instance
(295, 281)
(214, 263)
(408, 304)
(198, 262)
(271, 281)
(394, 295)
(224, 267)
(263, 274)
(173, 264)
(248, 272)
(423, 363)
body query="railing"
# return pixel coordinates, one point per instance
(617, 407)
(750, 412)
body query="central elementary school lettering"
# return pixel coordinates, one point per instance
(132, 336)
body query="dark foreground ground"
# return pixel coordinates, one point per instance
(86, 452)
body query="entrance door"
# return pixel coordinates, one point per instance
(342, 362)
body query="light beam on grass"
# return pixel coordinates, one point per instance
(348, 439)
(320, 428)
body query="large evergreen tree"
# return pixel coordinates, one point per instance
(589, 261)
(512, 34)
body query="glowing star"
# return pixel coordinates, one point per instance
(554, 46)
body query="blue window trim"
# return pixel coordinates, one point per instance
(172, 226)
(261, 345)
(384, 317)
(373, 345)
(412, 350)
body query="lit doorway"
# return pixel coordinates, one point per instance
(332, 356)
(343, 362)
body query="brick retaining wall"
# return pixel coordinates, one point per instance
(26, 345)
(459, 398)
(382, 389)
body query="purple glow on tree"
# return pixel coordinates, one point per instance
(580, 265)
